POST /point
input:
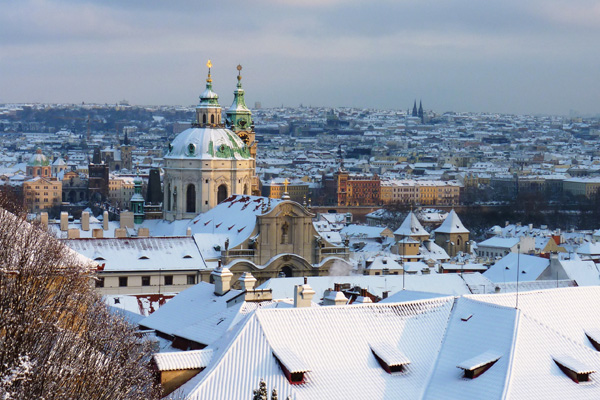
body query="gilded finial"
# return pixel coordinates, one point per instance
(239, 68)
(209, 65)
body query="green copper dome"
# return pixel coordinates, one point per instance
(38, 160)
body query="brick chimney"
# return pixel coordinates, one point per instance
(303, 294)
(247, 281)
(222, 278)
(85, 221)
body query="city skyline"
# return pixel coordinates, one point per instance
(504, 57)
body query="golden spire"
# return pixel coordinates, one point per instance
(209, 65)
(239, 68)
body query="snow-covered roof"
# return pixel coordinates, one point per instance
(505, 270)
(193, 359)
(436, 336)
(141, 254)
(447, 284)
(411, 227)
(452, 224)
(499, 242)
(235, 217)
(188, 307)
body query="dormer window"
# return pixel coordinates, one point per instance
(187, 256)
(144, 258)
(573, 368)
(99, 259)
(594, 337)
(477, 365)
(390, 358)
(291, 365)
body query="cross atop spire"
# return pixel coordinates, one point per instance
(209, 65)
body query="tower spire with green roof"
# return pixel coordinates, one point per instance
(239, 116)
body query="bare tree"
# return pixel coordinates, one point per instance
(58, 340)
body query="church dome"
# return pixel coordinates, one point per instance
(38, 160)
(208, 144)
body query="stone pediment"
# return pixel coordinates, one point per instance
(289, 209)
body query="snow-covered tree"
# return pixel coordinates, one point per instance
(58, 340)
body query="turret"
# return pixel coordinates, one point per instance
(208, 111)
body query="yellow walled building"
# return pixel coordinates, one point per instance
(42, 193)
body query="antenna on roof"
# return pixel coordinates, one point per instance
(518, 259)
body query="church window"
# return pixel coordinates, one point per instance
(204, 119)
(221, 193)
(212, 119)
(169, 198)
(191, 199)
(245, 189)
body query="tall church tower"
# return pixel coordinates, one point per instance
(239, 120)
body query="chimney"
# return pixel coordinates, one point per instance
(222, 278)
(188, 231)
(97, 233)
(44, 219)
(64, 221)
(530, 227)
(363, 298)
(105, 220)
(247, 281)
(126, 219)
(120, 232)
(73, 233)
(85, 221)
(303, 294)
(143, 232)
(335, 297)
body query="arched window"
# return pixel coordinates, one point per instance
(286, 272)
(190, 199)
(221, 193)
(204, 118)
(212, 119)
(459, 241)
(245, 189)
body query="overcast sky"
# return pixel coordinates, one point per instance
(513, 56)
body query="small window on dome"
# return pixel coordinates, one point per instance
(191, 148)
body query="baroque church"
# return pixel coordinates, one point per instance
(213, 159)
